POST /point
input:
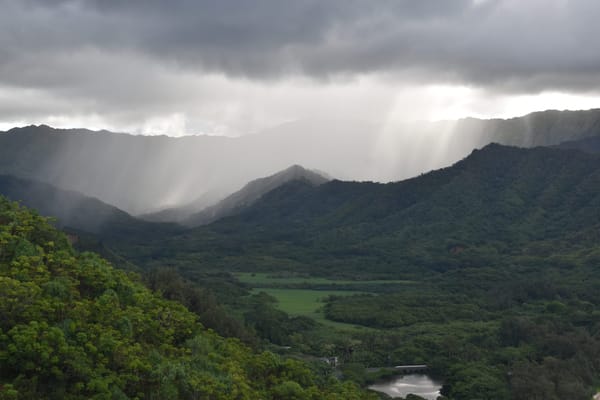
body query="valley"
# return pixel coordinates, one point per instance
(485, 271)
(299, 200)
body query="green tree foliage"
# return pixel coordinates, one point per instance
(199, 300)
(498, 207)
(72, 327)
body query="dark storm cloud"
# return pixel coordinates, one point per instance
(516, 46)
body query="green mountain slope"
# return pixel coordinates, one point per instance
(197, 213)
(72, 327)
(498, 203)
(80, 213)
(588, 145)
(252, 192)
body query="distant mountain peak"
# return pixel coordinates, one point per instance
(295, 172)
(253, 191)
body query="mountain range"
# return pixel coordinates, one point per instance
(147, 174)
(235, 203)
(76, 212)
(498, 201)
(498, 205)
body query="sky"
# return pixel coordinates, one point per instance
(237, 67)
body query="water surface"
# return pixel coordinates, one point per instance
(419, 384)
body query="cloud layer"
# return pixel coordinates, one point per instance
(127, 63)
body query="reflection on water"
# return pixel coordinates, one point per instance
(421, 385)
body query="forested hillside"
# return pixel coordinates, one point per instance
(588, 145)
(77, 212)
(72, 327)
(497, 205)
(195, 215)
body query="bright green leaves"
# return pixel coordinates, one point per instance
(36, 348)
(73, 327)
(19, 301)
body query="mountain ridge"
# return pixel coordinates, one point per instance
(75, 211)
(142, 174)
(497, 204)
(243, 198)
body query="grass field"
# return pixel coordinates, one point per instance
(305, 302)
(297, 295)
(258, 279)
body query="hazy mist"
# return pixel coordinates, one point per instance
(141, 174)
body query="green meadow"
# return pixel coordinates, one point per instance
(306, 302)
(305, 295)
(262, 279)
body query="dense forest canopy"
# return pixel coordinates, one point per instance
(73, 327)
(499, 205)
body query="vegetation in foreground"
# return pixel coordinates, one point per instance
(72, 327)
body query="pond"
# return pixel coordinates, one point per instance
(419, 384)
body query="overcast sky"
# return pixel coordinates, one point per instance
(234, 67)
